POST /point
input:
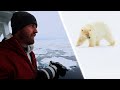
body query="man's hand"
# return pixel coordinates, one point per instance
(61, 70)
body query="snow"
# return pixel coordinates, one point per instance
(100, 62)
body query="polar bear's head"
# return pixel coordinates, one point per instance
(86, 31)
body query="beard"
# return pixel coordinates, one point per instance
(27, 39)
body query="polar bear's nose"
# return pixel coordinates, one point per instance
(88, 37)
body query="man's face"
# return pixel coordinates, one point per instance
(28, 33)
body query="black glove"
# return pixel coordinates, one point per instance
(61, 70)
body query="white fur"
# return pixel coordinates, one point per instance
(95, 32)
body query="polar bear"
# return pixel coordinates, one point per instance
(95, 32)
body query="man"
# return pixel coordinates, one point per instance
(17, 60)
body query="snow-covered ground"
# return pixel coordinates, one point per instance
(100, 62)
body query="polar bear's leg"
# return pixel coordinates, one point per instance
(80, 41)
(92, 42)
(97, 42)
(110, 39)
